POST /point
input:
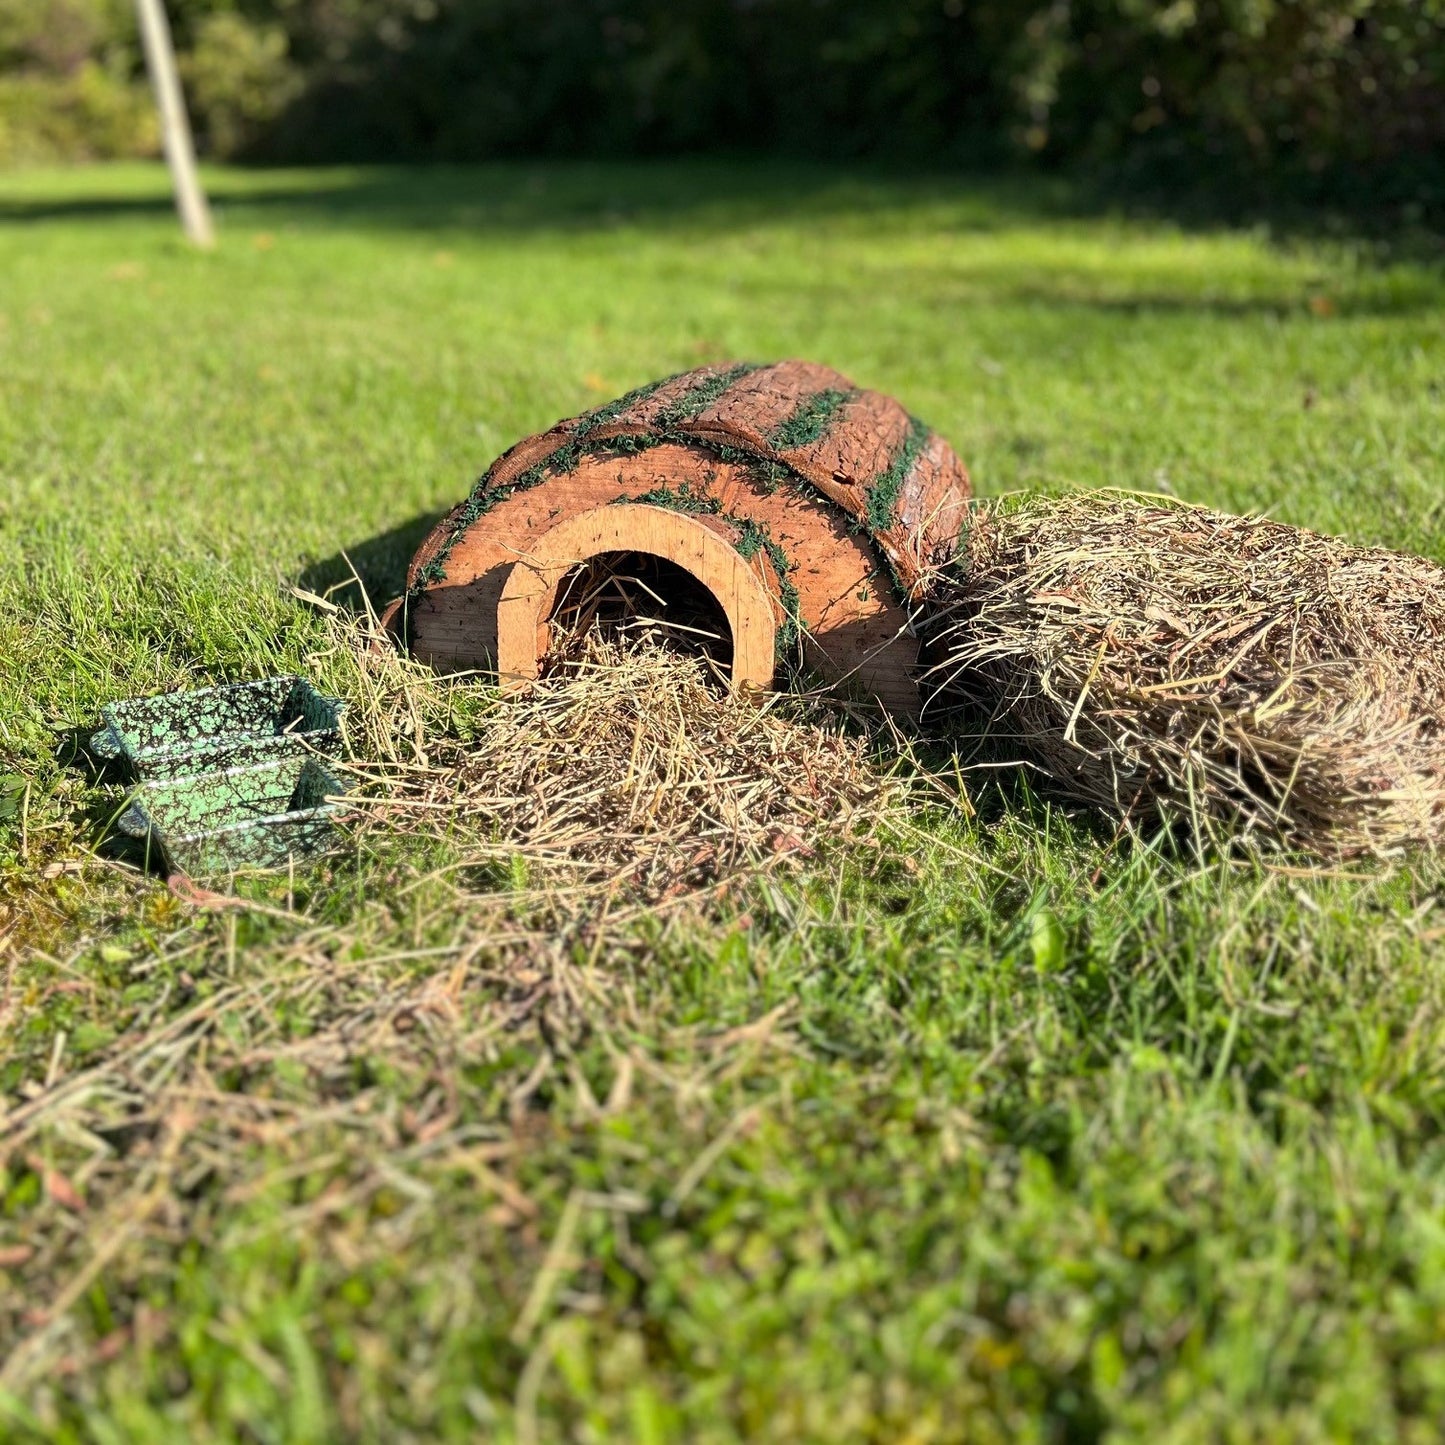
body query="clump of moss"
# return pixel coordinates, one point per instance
(811, 420)
(884, 489)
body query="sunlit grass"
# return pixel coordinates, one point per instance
(1008, 1129)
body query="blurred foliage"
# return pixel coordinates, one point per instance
(1339, 88)
(88, 113)
(67, 81)
(240, 77)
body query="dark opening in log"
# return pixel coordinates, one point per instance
(632, 596)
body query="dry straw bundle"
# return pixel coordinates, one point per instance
(1151, 656)
(629, 766)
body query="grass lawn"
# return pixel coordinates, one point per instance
(1012, 1130)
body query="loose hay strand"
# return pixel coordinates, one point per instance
(1152, 656)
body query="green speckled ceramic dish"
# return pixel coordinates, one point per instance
(256, 816)
(213, 728)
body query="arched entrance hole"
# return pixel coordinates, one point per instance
(633, 597)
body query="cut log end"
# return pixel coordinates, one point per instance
(553, 578)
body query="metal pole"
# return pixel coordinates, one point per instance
(175, 127)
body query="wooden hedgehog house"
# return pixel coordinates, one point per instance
(802, 513)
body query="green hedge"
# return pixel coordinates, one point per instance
(1349, 89)
(68, 86)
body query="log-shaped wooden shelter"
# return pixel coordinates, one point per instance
(809, 510)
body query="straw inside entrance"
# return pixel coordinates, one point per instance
(632, 597)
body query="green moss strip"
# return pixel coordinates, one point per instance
(811, 420)
(770, 476)
(884, 488)
(613, 409)
(570, 453)
(679, 499)
(807, 424)
(702, 396)
(482, 499)
(753, 538)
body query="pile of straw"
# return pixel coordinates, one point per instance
(631, 766)
(1165, 658)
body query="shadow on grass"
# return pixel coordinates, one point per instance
(710, 199)
(372, 569)
(720, 192)
(110, 787)
(541, 195)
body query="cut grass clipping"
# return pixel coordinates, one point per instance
(630, 766)
(1164, 658)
